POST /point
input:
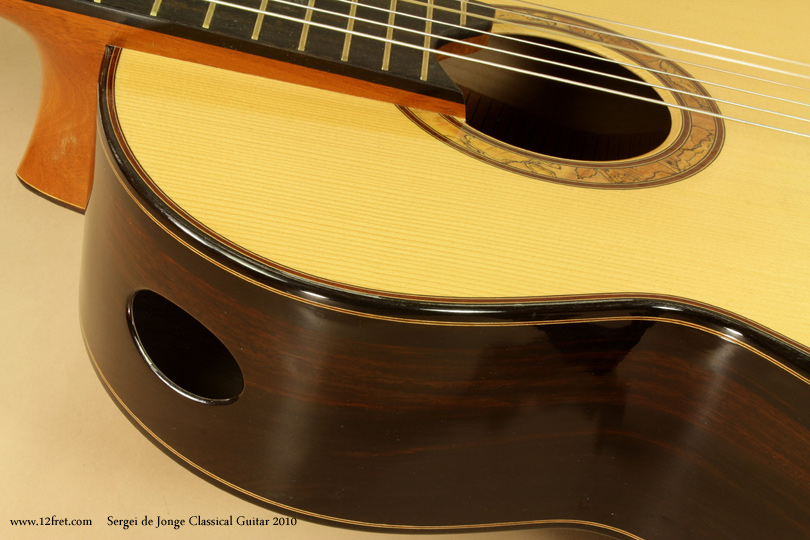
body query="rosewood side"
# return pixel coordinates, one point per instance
(628, 417)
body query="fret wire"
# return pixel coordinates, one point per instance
(463, 18)
(302, 43)
(389, 35)
(426, 42)
(257, 28)
(347, 41)
(209, 15)
(155, 8)
(546, 76)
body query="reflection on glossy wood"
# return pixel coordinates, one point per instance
(365, 199)
(634, 418)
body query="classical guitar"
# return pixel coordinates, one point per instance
(526, 267)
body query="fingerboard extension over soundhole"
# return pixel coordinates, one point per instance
(388, 42)
(556, 118)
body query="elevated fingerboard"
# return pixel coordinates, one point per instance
(390, 42)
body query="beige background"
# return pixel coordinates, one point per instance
(66, 450)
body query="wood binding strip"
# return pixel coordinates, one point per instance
(467, 304)
(592, 259)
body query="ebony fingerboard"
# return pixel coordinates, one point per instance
(382, 41)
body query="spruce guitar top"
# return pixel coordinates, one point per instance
(503, 300)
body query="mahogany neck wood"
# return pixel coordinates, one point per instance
(71, 38)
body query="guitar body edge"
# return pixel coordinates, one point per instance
(632, 417)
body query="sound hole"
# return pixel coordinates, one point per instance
(555, 118)
(182, 352)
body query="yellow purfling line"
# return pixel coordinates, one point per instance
(258, 497)
(124, 184)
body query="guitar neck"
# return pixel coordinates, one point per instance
(386, 42)
(378, 49)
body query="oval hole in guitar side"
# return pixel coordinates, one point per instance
(182, 352)
(554, 118)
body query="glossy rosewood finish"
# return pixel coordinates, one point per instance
(59, 159)
(636, 418)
